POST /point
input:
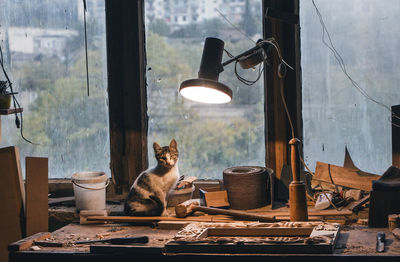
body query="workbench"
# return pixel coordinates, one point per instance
(355, 243)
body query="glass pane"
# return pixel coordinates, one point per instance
(210, 138)
(335, 114)
(44, 55)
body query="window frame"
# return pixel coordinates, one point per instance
(126, 63)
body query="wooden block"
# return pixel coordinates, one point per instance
(396, 233)
(168, 225)
(12, 195)
(28, 242)
(84, 214)
(37, 215)
(88, 212)
(216, 199)
(393, 221)
(348, 177)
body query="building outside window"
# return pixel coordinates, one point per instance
(210, 138)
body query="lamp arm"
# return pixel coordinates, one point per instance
(248, 52)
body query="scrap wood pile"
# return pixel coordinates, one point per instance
(347, 187)
(341, 187)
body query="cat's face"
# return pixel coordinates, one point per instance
(166, 156)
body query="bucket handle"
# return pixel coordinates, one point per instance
(107, 183)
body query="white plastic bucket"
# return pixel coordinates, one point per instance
(90, 190)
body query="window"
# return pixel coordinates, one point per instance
(43, 46)
(335, 114)
(210, 138)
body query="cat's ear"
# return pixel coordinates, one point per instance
(156, 147)
(173, 144)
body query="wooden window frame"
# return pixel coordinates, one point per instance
(126, 62)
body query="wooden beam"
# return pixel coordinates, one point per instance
(126, 90)
(277, 127)
(37, 215)
(396, 136)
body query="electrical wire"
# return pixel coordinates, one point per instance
(292, 127)
(342, 65)
(235, 27)
(246, 81)
(18, 122)
(86, 48)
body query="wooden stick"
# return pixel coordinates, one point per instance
(131, 219)
(234, 213)
(354, 206)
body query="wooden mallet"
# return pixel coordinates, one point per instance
(188, 207)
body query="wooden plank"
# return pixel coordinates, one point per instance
(131, 219)
(348, 177)
(59, 200)
(11, 200)
(396, 136)
(355, 205)
(37, 215)
(28, 241)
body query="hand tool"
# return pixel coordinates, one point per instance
(190, 206)
(380, 242)
(118, 241)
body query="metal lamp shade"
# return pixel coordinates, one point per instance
(206, 88)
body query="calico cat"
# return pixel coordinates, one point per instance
(147, 196)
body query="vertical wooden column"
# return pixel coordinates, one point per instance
(396, 137)
(281, 23)
(126, 90)
(37, 214)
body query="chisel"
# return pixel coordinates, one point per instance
(118, 241)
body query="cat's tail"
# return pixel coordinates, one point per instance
(147, 207)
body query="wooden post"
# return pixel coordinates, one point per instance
(282, 24)
(126, 91)
(396, 136)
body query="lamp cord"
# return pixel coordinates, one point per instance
(300, 142)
